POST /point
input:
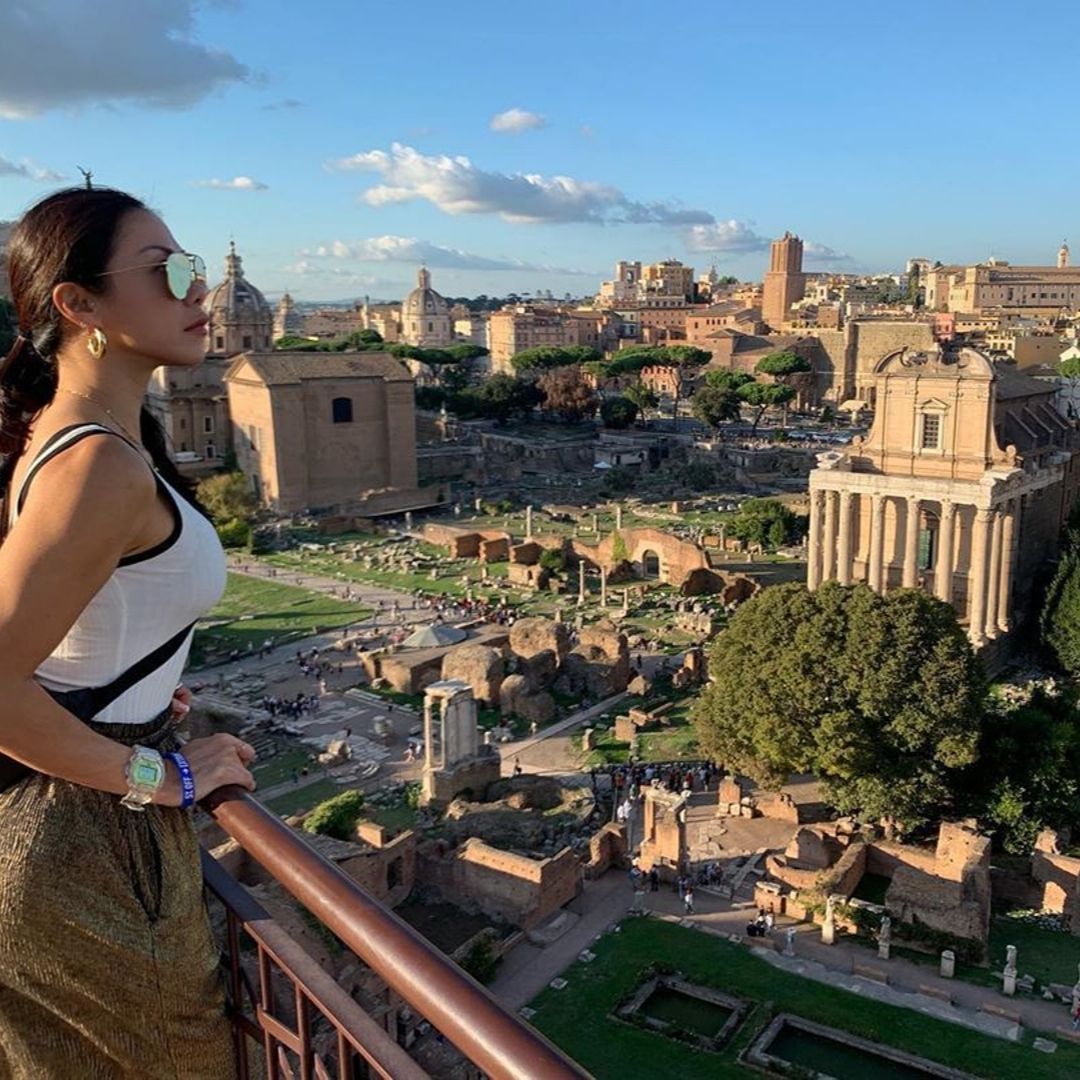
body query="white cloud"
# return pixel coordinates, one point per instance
(825, 256)
(408, 249)
(517, 120)
(28, 170)
(305, 268)
(59, 53)
(456, 186)
(237, 183)
(731, 236)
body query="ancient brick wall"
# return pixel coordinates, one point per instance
(502, 884)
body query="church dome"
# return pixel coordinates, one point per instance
(240, 317)
(236, 298)
(423, 300)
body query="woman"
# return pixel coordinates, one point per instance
(107, 966)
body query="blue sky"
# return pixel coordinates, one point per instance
(365, 135)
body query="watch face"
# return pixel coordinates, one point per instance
(145, 773)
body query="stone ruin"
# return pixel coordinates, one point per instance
(454, 758)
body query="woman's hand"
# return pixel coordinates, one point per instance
(215, 761)
(181, 703)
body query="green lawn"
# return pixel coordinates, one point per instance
(576, 1018)
(303, 798)
(1049, 955)
(253, 610)
(279, 768)
(395, 819)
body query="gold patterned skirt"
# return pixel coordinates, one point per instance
(107, 964)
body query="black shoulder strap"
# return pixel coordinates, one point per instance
(103, 696)
(54, 446)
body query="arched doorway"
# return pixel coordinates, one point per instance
(650, 564)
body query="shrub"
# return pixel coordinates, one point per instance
(480, 961)
(234, 534)
(337, 816)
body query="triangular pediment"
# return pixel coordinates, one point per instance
(933, 405)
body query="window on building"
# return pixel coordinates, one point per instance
(220, 339)
(342, 410)
(183, 423)
(210, 451)
(430, 328)
(208, 425)
(247, 341)
(927, 548)
(931, 432)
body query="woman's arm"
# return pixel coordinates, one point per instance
(87, 507)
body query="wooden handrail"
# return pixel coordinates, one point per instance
(494, 1039)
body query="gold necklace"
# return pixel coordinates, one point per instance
(144, 453)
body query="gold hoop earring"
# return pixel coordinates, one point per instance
(97, 343)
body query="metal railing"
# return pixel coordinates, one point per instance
(496, 1041)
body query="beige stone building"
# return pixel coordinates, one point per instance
(515, 329)
(785, 282)
(333, 431)
(996, 285)
(961, 488)
(193, 409)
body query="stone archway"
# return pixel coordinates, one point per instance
(650, 564)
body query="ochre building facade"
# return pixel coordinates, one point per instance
(961, 488)
(333, 431)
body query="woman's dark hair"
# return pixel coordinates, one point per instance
(68, 236)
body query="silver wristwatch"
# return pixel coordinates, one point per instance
(145, 773)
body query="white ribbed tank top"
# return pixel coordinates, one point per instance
(149, 598)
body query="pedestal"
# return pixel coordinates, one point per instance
(828, 932)
(1008, 984)
(883, 950)
(948, 964)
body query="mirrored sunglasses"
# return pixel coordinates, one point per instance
(182, 271)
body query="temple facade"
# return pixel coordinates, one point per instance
(961, 488)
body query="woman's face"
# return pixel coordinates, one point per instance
(137, 311)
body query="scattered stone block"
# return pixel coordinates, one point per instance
(1045, 1046)
(558, 984)
(586, 956)
(526, 1013)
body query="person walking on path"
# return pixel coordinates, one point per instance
(688, 900)
(107, 963)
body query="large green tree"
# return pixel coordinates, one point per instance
(1060, 616)
(644, 398)
(879, 696)
(618, 412)
(544, 357)
(764, 396)
(714, 405)
(683, 361)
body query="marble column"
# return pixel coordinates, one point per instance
(943, 571)
(828, 548)
(980, 559)
(843, 570)
(1008, 558)
(911, 544)
(813, 565)
(876, 575)
(993, 579)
